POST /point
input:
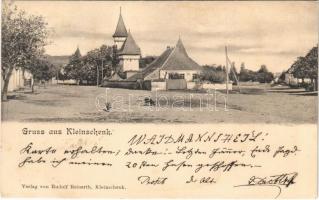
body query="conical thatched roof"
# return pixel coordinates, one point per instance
(179, 59)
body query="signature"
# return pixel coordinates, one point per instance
(147, 180)
(277, 181)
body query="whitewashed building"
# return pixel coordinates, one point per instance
(18, 79)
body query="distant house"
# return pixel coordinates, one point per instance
(18, 79)
(291, 80)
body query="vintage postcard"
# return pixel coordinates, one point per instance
(159, 99)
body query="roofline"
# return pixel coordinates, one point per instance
(168, 58)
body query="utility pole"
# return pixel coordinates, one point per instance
(226, 72)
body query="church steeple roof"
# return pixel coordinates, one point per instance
(179, 60)
(180, 46)
(120, 30)
(77, 53)
(130, 47)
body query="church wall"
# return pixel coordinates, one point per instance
(153, 75)
(188, 74)
(130, 62)
(130, 73)
(119, 41)
(16, 80)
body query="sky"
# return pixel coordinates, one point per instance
(272, 33)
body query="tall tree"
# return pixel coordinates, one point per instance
(312, 63)
(106, 55)
(23, 40)
(74, 66)
(307, 67)
(263, 75)
(263, 69)
(300, 68)
(41, 70)
(92, 67)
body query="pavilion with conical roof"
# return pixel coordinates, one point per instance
(179, 60)
(173, 62)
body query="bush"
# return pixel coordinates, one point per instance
(213, 76)
(310, 87)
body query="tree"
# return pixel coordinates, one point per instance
(233, 74)
(300, 68)
(307, 67)
(92, 67)
(263, 69)
(72, 69)
(312, 65)
(23, 40)
(263, 75)
(107, 57)
(98, 59)
(145, 61)
(41, 70)
(244, 74)
(213, 74)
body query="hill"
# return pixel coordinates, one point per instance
(58, 60)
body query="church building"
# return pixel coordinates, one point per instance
(128, 51)
(173, 63)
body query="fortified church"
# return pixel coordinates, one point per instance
(174, 61)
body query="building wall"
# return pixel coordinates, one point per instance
(188, 74)
(17, 79)
(158, 85)
(153, 76)
(130, 62)
(290, 79)
(217, 86)
(119, 41)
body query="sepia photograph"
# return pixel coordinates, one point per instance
(159, 99)
(159, 62)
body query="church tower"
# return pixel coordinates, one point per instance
(120, 33)
(129, 56)
(128, 51)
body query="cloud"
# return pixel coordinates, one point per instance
(72, 33)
